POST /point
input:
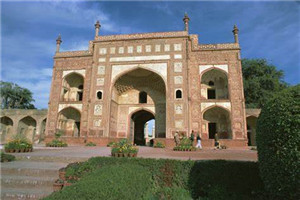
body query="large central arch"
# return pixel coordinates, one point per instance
(137, 89)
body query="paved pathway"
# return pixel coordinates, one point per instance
(79, 153)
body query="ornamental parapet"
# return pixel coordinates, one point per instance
(224, 46)
(72, 54)
(157, 35)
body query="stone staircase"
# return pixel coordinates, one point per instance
(28, 179)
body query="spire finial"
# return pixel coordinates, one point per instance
(235, 34)
(97, 28)
(186, 20)
(58, 42)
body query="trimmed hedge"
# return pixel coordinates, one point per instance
(7, 157)
(169, 179)
(278, 143)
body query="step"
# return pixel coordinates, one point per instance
(13, 181)
(35, 169)
(21, 193)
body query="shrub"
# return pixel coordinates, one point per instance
(57, 143)
(6, 157)
(159, 145)
(278, 142)
(90, 144)
(111, 144)
(19, 142)
(124, 146)
(171, 179)
(126, 181)
(185, 145)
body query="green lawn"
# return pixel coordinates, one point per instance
(137, 178)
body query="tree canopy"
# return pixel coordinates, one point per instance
(261, 81)
(12, 96)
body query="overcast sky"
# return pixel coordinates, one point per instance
(269, 30)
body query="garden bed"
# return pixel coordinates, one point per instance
(138, 178)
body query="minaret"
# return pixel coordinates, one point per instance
(58, 42)
(235, 34)
(97, 28)
(186, 20)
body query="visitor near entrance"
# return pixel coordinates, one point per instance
(176, 138)
(198, 142)
(192, 137)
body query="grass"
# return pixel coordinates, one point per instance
(137, 178)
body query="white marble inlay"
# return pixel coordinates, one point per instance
(179, 124)
(177, 56)
(130, 49)
(77, 106)
(178, 67)
(139, 58)
(121, 50)
(139, 49)
(177, 47)
(157, 48)
(101, 69)
(205, 105)
(102, 59)
(159, 68)
(78, 71)
(97, 122)
(178, 109)
(178, 80)
(148, 48)
(167, 47)
(98, 109)
(205, 67)
(102, 51)
(112, 50)
(100, 81)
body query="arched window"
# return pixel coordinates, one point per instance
(178, 94)
(211, 83)
(143, 97)
(99, 95)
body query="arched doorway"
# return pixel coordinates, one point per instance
(251, 130)
(138, 122)
(72, 87)
(137, 89)
(217, 120)
(42, 131)
(6, 127)
(69, 122)
(27, 127)
(214, 85)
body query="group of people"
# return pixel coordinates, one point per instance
(198, 138)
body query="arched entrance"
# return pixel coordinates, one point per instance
(6, 128)
(69, 122)
(217, 120)
(72, 87)
(27, 127)
(214, 84)
(137, 126)
(42, 131)
(138, 89)
(251, 130)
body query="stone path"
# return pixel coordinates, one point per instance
(32, 175)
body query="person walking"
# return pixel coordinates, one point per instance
(199, 142)
(192, 137)
(217, 143)
(176, 138)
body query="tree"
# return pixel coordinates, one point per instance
(13, 96)
(261, 81)
(278, 144)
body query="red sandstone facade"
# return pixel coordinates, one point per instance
(96, 94)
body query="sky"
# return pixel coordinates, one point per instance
(269, 30)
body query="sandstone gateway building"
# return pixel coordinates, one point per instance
(112, 89)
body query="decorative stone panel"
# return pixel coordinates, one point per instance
(139, 49)
(98, 109)
(157, 48)
(179, 124)
(102, 59)
(167, 47)
(74, 105)
(177, 47)
(97, 122)
(205, 67)
(139, 58)
(178, 67)
(102, 51)
(178, 109)
(178, 80)
(100, 81)
(101, 70)
(121, 50)
(112, 50)
(177, 56)
(130, 49)
(226, 105)
(148, 48)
